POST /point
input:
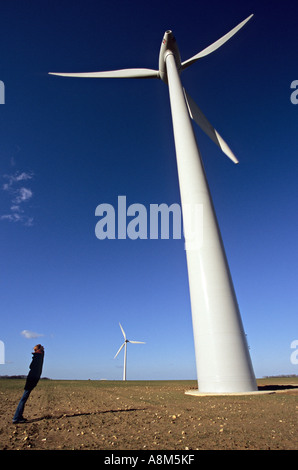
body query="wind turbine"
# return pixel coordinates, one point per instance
(222, 356)
(125, 350)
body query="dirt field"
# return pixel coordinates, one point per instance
(155, 415)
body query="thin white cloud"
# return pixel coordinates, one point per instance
(19, 196)
(30, 334)
(22, 195)
(11, 217)
(15, 217)
(16, 208)
(17, 177)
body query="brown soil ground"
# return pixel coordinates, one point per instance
(157, 415)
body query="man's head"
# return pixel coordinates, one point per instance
(38, 348)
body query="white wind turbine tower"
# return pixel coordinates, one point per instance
(222, 356)
(125, 350)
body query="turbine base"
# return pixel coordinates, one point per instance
(197, 393)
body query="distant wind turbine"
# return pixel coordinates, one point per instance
(125, 350)
(222, 356)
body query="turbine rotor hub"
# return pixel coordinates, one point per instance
(168, 46)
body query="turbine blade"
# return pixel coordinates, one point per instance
(124, 73)
(119, 350)
(137, 342)
(197, 115)
(215, 45)
(122, 331)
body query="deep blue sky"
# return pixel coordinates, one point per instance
(72, 144)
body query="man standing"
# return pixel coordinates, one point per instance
(31, 382)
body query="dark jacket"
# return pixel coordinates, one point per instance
(35, 371)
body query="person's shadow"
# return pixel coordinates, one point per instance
(73, 415)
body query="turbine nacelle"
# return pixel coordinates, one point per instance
(168, 46)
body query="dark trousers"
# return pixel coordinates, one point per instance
(20, 408)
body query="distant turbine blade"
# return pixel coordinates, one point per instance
(124, 73)
(119, 350)
(215, 45)
(137, 342)
(197, 115)
(122, 331)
